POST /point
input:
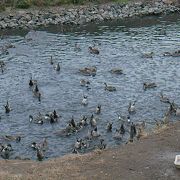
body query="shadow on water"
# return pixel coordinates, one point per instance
(121, 44)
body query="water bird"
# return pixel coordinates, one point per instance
(98, 109)
(109, 127)
(7, 107)
(40, 155)
(148, 55)
(163, 98)
(94, 133)
(132, 132)
(122, 129)
(109, 88)
(6, 151)
(84, 101)
(149, 85)
(77, 47)
(93, 121)
(117, 135)
(88, 71)
(78, 144)
(84, 82)
(93, 50)
(102, 145)
(51, 61)
(131, 107)
(116, 71)
(57, 67)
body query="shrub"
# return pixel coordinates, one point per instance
(23, 4)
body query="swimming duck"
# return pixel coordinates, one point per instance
(51, 61)
(84, 101)
(7, 107)
(77, 47)
(117, 135)
(57, 67)
(93, 50)
(83, 121)
(84, 82)
(74, 151)
(94, 133)
(148, 55)
(40, 155)
(163, 98)
(78, 144)
(131, 108)
(12, 138)
(109, 88)
(6, 151)
(176, 53)
(132, 132)
(88, 71)
(34, 145)
(109, 127)
(116, 71)
(122, 129)
(98, 109)
(102, 145)
(93, 121)
(72, 122)
(149, 85)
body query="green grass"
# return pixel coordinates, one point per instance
(40, 3)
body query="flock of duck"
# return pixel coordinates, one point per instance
(73, 127)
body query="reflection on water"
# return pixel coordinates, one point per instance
(121, 44)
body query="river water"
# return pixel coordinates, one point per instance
(121, 44)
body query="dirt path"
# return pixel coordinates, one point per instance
(150, 158)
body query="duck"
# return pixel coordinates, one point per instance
(12, 138)
(109, 88)
(88, 71)
(149, 85)
(132, 132)
(57, 67)
(84, 82)
(94, 133)
(176, 53)
(40, 155)
(34, 145)
(148, 55)
(6, 151)
(122, 129)
(84, 101)
(83, 121)
(117, 135)
(131, 108)
(7, 107)
(72, 122)
(77, 47)
(44, 144)
(36, 89)
(102, 145)
(93, 121)
(116, 71)
(93, 50)
(163, 98)
(98, 109)
(78, 144)
(51, 61)
(109, 127)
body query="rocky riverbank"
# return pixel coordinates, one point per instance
(78, 15)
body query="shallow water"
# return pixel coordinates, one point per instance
(121, 44)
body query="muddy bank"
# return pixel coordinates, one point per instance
(78, 15)
(149, 158)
